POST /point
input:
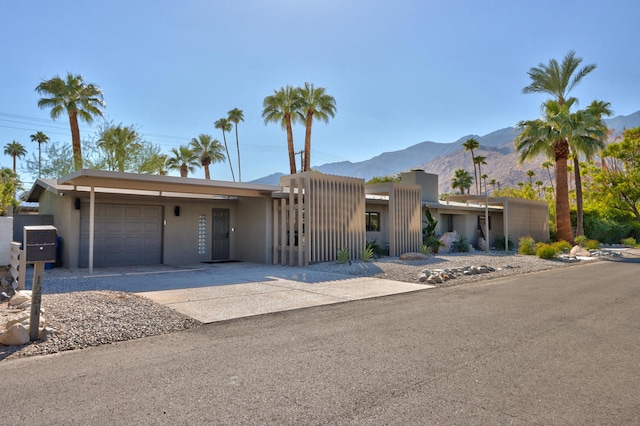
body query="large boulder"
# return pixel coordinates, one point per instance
(20, 298)
(579, 251)
(413, 256)
(17, 334)
(447, 239)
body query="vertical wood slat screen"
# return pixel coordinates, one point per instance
(328, 213)
(405, 221)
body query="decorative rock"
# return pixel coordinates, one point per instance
(579, 251)
(4, 297)
(482, 244)
(413, 256)
(17, 334)
(448, 238)
(21, 297)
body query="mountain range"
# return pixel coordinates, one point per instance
(444, 158)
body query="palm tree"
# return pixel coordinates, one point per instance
(40, 138)
(15, 150)
(315, 103)
(236, 115)
(462, 179)
(119, 143)
(208, 150)
(539, 185)
(470, 145)
(550, 136)
(484, 178)
(556, 80)
(588, 137)
(281, 108)
(157, 164)
(479, 160)
(225, 125)
(183, 159)
(75, 97)
(493, 183)
(547, 165)
(531, 174)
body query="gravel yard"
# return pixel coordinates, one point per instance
(96, 317)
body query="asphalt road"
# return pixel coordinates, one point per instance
(557, 347)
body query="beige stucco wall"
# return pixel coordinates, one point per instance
(251, 233)
(381, 237)
(527, 218)
(66, 219)
(6, 236)
(248, 223)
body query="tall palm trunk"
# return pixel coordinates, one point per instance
(307, 142)
(579, 208)
(238, 148)
(475, 173)
(75, 140)
(205, 164)
(551, 180)
(563, 216)
(292, 154)
(226, 148)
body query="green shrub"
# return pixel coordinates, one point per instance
(581, 240)
(426, 250)
(343, 256)
(366, 254)
(461, 245)
(377, 250)
(628, 242)
(592, 244)
(546, 251)
(562, 245)
(433, 243)
(499, 243)
(527, 245)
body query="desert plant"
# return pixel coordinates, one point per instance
(628, 242)
(499, 243)
(581, 240)
(426, 250)
(546, 251)
(433, 243)
(592, 244)
(562, 245)
(461, 244)
(377, 250)
(342, 255)
(366, 254)
(527, 245)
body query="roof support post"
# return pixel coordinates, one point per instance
(486, 220)
(92, 211)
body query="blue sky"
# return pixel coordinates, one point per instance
(401, 72)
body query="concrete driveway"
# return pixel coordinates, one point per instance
(222, 291)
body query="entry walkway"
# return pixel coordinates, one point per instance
(223, 291)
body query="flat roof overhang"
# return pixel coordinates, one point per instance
(170, 186)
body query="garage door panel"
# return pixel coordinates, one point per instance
(124, 235)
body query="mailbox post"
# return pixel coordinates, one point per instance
(39, 247)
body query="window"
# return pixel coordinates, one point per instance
(373, 221)
(202, 234)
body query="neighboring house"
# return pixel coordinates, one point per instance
(114, 219)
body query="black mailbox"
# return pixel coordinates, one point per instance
(40, 243)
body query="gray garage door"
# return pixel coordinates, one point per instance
(124, 235)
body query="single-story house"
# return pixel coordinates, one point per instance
(107, 218)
